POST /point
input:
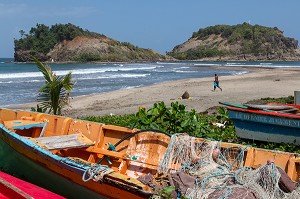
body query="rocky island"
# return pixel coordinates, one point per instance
(244, 42)
(70, 43)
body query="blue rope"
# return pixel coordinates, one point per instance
(94, 170)
(239, 158)
(273, 171)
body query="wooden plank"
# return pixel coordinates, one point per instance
(23, 124)
(117, 128)
(65, 141)
(120, 155)
(106, 152)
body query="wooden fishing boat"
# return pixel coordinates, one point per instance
(12, 187)
(81, 159)
(274, 123)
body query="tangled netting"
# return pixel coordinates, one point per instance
(220, 174)
(96, 172)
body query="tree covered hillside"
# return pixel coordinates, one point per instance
(238, 40)
(67, 42)
(41, 39)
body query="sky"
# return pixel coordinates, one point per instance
(157, 24)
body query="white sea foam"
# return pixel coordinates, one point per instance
(34, 80)
(137, 68)
(19, 82)
(242, 65)
(169, 63)
(235, 63)
(113, 76)
(207, 64)
(185, 71)
(270, 65)
(129, 87)
(123, 76)
(20, 75)
(240, 72)
(6, 82)
(75, 72)
(265, 63)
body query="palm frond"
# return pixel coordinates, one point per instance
(54, 95)
(47, 72)
(67, 82)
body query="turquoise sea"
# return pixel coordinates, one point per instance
(20, 82)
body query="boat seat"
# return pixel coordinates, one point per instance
(23, 124)
(65, 141)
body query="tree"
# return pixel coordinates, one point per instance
(22, 33)
(55, 94)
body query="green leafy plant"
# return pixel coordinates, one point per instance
(55, 94)
(166, 192)
(120, 120)
(174, 119)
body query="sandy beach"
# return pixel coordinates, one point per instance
(259, 83)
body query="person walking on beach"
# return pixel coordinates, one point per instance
(216, 83)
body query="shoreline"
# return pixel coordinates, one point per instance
(258, 83)
(233, 58)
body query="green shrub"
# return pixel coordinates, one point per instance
(282, 100)
(176, 119)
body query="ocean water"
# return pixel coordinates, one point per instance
(20, 82)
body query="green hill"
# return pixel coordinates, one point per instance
(242, 41)
(67, 42)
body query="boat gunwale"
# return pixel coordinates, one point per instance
(262, 112)
(63, 162)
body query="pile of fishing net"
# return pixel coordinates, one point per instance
(201, 170)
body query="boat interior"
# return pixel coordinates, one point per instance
(127, 151)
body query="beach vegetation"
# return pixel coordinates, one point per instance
(280, 100)
(54, 96)
(176, 119)
(173, 119)
(119, 120)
